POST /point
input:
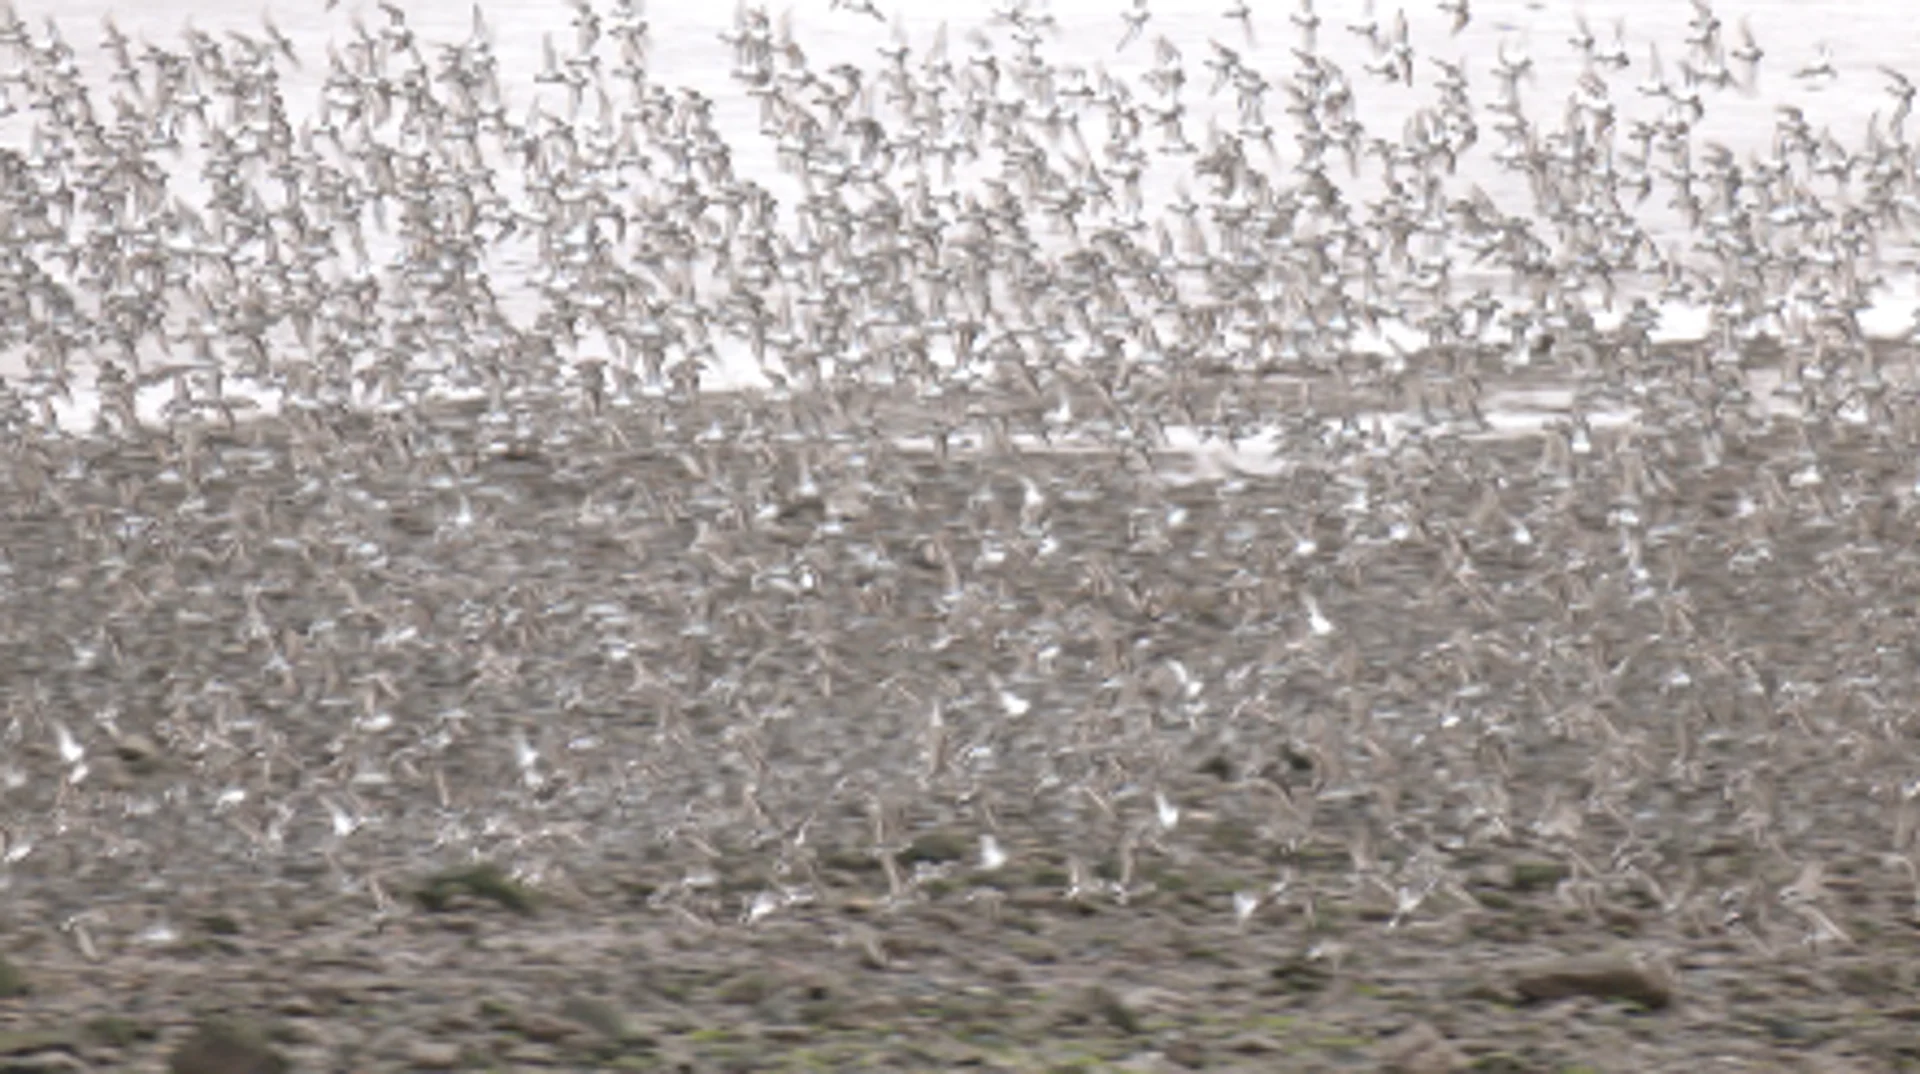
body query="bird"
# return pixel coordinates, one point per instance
(1242, 13)
(575, 486)
(1820, 69)
(1136, 19)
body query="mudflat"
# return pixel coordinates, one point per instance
(598, 756)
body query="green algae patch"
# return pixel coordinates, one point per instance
(484, 881)
(28, 1041)
(225, 1046)
(13, 982)
(117, 1032)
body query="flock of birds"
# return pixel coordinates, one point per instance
(350, 562)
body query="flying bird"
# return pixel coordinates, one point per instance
(1136, 21)
(1241, 13)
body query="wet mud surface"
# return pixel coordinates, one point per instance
(1321, 769)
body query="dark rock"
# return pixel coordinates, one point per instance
(139, 754)
(484, 880)
(936, 848)
(24, 1044)
(598, 1015)
(1421, 1049)
(13, 983)
(1601, 976)
(220, 1046)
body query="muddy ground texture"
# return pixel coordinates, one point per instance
(150, 928)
